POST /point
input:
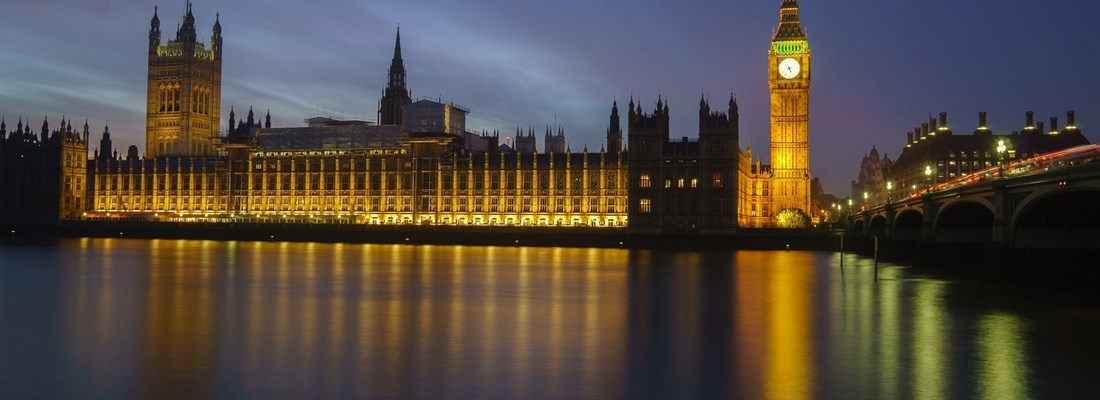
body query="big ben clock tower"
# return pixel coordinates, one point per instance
(789, 84)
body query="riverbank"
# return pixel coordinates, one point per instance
(749, 239)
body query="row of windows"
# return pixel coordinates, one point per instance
(645, 181)
(372, 180)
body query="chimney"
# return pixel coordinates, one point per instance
(1071, 122)
(1054, 125)
(923, 130)
(1030, 120)
(909, 137)
(943, 120)
(1039, 127)
(981, 120)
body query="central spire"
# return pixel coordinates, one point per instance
(397, 66)
(397, 46)
(396, 94)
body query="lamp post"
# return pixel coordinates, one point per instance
(928, 176)
(889, 189)
(1001, 157)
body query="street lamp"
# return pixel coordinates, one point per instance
(1001, 156)
(889, 188)
(928, 176)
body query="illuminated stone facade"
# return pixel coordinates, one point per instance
(420, 165)
(789, 84)
(421, 179)
(183, 104)
(42, 176)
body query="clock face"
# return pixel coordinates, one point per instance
(789, 68)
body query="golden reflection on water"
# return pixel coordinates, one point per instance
(774, 325)
(930, 340)
(341, 320)
(1002, 368)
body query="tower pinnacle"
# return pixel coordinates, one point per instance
(396, 94)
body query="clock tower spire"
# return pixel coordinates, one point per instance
(789, 85)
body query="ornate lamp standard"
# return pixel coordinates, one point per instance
(1001, 157)
(928, 176)
(889, 189)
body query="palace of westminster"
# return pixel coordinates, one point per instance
(417, 165)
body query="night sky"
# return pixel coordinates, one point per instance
(880, 67)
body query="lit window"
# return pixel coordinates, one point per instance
(694, 183)
(644, 181)
(680, 183)
(644, 206)
(716, 180)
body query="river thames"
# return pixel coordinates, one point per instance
(127, 318)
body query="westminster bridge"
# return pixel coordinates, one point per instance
(1044, 205)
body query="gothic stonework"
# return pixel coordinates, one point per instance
(789, 84)
(183, 109)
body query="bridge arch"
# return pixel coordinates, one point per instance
(1058, 219)
(964, 221)
(877, 227)
(907, 224)
(858, 227)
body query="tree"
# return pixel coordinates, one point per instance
(792, 218)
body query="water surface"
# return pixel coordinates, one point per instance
(120, 318)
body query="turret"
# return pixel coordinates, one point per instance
(216, 38)
(45, 130)
(154, 33)
(614, 130)
(232, 121)
(735, 118)
(187, 33)
(267, 119)
(105, 144)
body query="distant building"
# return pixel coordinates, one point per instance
(524, 144)
(873, 172)
(933, 153)
(554, 143)
(42, 177)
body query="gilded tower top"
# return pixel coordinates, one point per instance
(790, 27)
